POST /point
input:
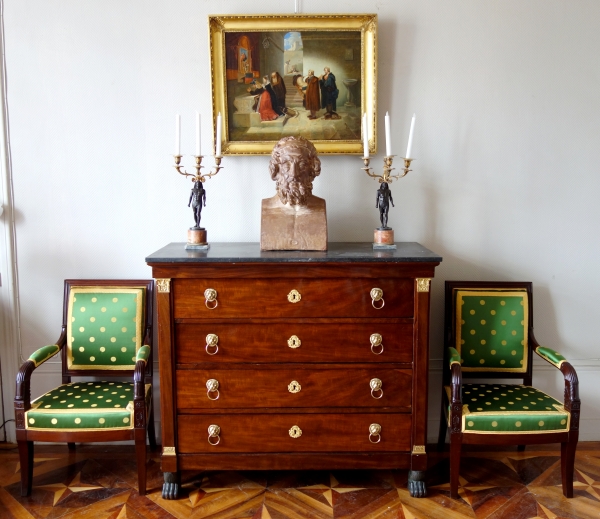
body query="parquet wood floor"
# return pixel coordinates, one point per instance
(100, 482)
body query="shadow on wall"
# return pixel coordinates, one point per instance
(395, 46)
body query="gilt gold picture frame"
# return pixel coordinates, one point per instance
(308, 75)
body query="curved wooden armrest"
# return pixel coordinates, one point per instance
(572, 402)
(23, 390)
(148, 336)
(455, 399)
(456, 383)
(139, 394)
(139, 380)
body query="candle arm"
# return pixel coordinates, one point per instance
(198, 177)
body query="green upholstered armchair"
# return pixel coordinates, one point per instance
(489, 335)
(106, 337)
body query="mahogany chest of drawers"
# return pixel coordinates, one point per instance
(303, 360)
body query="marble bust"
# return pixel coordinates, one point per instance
(294, 219)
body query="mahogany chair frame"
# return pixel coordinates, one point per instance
(453, 376)
(142, 374)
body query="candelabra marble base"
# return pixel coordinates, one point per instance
(384, 239)
(197, 239)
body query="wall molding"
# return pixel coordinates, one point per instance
(9, 287)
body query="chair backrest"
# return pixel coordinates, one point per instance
(106, 324)
(488, 323)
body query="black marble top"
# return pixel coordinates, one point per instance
(235, 252)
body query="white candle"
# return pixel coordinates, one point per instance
(218, 138)
(388, 141)
(198, 134)
(410, 137)
(178, 134)
(365, 136)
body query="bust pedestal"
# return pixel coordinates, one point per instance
(293, 227)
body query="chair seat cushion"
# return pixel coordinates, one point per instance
(509, 409)
(80, 406)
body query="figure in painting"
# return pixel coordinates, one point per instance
(278, 87)
(197, 201)
(383, 199)
(265, 101)
(298, 82)
(329, 94)
(294, 219)
(245, 63)
(290, 69)
(311, 96)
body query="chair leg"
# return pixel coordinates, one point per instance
(567, 464)
(520, 448)
(140, 451)
(26, 460)
(71, 446)
(455, 447)
(443, 428)
(151, 431)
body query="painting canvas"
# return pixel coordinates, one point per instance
(293, 75)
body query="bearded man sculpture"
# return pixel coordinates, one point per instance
(294, 219)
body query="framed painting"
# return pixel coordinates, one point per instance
(279, 75)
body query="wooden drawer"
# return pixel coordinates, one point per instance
(271, 433)
(244, 298)
(293, 342)
(269, 386)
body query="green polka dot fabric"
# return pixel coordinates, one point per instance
(104, 329)
(454, 356)
(505, 408)
(85, 406)
(553, 357)
(43, 354)
(491, 330)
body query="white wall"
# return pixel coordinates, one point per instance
(505, 185)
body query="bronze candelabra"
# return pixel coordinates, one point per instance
(197, 236)
(384, 235)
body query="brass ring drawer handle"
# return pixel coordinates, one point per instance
(376, 341)
(374, 432)
(212, 341)
(294, 342)
(210, 296)
(214, 431)
(376, 296)
(376, 388)
(295, 432)
(212, 386)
